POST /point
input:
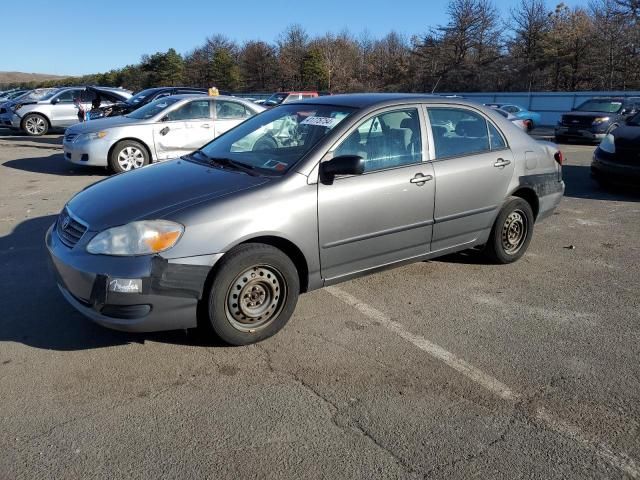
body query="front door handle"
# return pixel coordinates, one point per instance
(501, 162)
(420, 179)
(206, 125)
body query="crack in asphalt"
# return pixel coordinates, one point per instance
(334, 410)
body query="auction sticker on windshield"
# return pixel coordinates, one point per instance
(329, 122)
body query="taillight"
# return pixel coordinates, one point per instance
(558, 156)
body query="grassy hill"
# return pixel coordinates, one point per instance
(20, 77)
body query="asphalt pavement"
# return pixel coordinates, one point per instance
(450, 368)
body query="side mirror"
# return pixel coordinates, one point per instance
(55, 101)
(165, 118)
(341, 165)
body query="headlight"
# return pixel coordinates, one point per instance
(93, 136)
(608, 144)
(599, 120)
(137, 238)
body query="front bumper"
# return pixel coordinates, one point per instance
(9, 120)
(604, 165)
(90, 152)
(579, 133)
(167, 300)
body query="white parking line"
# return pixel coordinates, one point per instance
(620, 461)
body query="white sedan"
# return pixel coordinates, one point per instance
(166, 128)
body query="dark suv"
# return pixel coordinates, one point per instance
(593, 119)
(150, 94)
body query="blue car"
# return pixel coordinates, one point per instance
(531, 119)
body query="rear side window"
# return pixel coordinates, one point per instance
(457, 132)
(497, 142)
(226, 110)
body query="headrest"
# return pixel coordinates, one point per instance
(471, 128)
(409, 122)
(439, 131)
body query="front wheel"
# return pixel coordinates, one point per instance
(128, 155)
(35, 125)
(253, 294)
(511, 232)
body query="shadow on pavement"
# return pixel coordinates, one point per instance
(579, 184)
(54, 165)
(35, 313)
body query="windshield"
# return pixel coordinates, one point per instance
(17, 94)
(275, 140)
(634, 121)
(140, 96)
(152, 109)
(604, 106)
(276, 99)
(45, 95)
(37, 94)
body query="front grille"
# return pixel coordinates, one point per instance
(576, 121)
(70, 137)
(70, 230)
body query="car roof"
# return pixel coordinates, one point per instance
(367, 100)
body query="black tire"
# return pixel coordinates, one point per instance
(511, 232)
(128, 155)
(253, 294)
(35, 125)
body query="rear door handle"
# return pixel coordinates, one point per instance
(501, 162)
(420, 179)
(206, 125)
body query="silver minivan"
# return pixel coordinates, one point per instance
(305, 195)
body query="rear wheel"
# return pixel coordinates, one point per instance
(511, 232)
(128, 155)
(35, 125)
(253, 294)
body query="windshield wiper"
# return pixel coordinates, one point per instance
(225, 162)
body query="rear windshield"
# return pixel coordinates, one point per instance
(604, 106)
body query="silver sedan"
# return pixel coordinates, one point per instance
(163, 129)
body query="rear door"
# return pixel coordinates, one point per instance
(473, 169)
(185, 129)
(228, 114)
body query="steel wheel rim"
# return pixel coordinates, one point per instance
(130, 158)
(514, 232)
(35, 125)
(255, 298)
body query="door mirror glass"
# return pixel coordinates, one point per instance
(342, 165)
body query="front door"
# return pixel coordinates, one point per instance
(473, 169)
(384, 215)
(185, 129)
(64, 112)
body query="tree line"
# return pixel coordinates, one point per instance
(532, 48)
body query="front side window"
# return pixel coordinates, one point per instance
(277, 139)
(197, 110)
(388, 140)
(458, 132)
(68, 96)
(226, 110)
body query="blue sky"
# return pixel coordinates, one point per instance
(73, 37)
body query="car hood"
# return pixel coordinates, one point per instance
(155, 191)
(101, 124)
(627, 136)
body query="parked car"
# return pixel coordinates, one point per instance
(147, 96)
(163, 129)
(238, 229)
(530, 119)
(10, 95)
(617, 158)
(287, 97)
(518, 122)
(58, 108)
(595, 118)
(6, 108)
